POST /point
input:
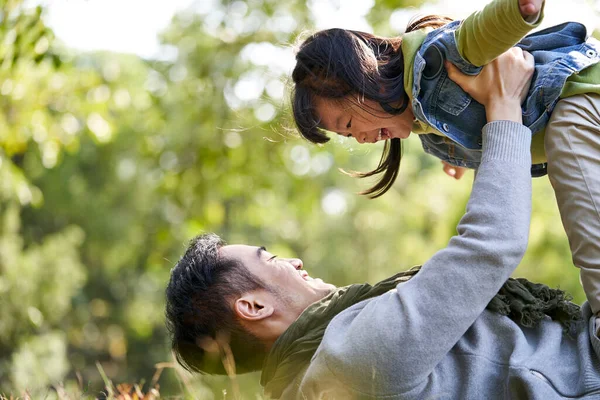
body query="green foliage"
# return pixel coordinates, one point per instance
(109, 164)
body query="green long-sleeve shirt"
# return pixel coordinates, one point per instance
(482, 37)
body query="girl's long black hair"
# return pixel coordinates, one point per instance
(337, 63)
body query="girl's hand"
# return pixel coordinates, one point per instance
(501, 86)
(529, 8)
(454, 172)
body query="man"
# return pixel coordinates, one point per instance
(451, 330)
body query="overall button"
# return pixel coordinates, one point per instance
(445, 127)
(480, 141)
(590, 53)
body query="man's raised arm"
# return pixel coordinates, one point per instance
(397, 339)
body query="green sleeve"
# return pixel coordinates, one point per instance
(486, 34)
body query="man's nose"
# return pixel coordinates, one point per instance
(296, 262)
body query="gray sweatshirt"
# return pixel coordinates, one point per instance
(431, 337)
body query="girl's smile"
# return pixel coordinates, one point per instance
(366, 121)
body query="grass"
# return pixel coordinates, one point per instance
(140, 391)
(112, 391)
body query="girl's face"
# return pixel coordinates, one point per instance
(366, 121)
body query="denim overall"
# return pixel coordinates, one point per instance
(558, 52)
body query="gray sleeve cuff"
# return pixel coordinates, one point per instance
(508, 141)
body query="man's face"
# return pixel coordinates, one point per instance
(285, 275)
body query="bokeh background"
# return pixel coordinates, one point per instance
(128, 127)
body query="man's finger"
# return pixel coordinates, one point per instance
(452, 70)
(517, 49)
(529, 59)
(530, 68)
(456, 75)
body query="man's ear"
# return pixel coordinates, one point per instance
(253, 306)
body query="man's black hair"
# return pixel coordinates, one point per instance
(198, 309)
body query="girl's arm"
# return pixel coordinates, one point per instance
(486, 34)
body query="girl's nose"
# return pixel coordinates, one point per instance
(363, 137)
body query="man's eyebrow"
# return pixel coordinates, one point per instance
(260, 250)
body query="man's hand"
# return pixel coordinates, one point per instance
(501, 86)
(454, 172)
(529, 8)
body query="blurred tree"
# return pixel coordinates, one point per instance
(37, 279)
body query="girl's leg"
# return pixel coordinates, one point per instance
(572, 145)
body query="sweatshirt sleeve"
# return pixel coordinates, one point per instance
(398, 338)
(486, 34)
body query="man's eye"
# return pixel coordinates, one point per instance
(272, 258)
(349, 125)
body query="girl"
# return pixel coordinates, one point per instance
(373, 88)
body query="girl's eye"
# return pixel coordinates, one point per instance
(349, 124)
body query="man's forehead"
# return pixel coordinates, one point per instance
(240, 250)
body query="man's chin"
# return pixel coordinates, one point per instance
(326, 288)
(320, 286)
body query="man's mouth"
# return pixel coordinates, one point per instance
(304, 275)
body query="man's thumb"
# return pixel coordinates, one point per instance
(454, 73)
